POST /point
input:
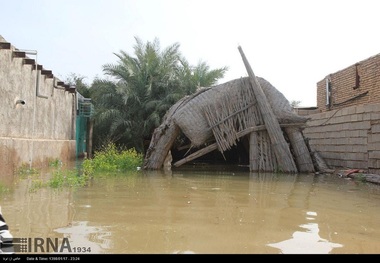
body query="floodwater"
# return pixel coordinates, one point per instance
(200, 210)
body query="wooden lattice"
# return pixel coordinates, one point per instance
(232, 114)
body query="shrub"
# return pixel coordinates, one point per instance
(110, 159)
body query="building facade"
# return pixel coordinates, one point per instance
(345, 126)
(357, 84)
(38, 112)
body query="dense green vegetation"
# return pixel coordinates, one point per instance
(111, 159)
(139, 89)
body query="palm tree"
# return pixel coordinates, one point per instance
(145, 86)
(80, 85)
(199, 76)
(110, 117)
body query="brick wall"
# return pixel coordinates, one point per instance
(347, 137)
(355, 85)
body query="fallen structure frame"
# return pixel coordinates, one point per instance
(225, 113)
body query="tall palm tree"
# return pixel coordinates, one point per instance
(111, 119)
(145, 86)
(193, 78)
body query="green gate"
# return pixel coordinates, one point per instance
(85, 111)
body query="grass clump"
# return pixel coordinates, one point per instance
(60, 179)
(3, 189)
(111, 159)
(67, 178)
(55, 163)
(25, 170)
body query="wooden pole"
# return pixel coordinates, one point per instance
(283, 155)
(253, 152)
(197, 154)
(301, 152)
(90, 129)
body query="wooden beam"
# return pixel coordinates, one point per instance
(214, 146)
(197, 154)
(281, 149)
(253, 152)
(301, 152)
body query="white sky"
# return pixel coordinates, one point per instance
(291, 43)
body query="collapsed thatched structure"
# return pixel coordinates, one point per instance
(219, 116)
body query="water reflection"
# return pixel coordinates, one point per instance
(306, 242)
(192, 210)
(86, 238)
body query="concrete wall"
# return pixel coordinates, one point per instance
(43, 128)
(347, 137)
(357, 84)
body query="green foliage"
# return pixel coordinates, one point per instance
(141, 88)
(60, 179)
(68, 178)
(37, 184)
(88, 168)
(110, 159)
(3, 189)
(25, 170)
(55, 163)
(80, 85)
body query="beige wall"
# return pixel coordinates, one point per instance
(43, 128)
(347, 137)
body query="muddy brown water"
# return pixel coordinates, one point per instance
(201, 210)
